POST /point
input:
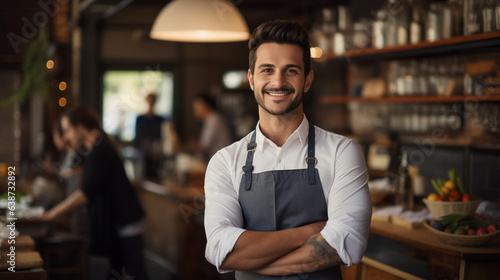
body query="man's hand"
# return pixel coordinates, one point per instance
(256, 249)
(316, 254)
(47, 216)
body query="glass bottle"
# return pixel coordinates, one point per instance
(424, 119)
(423, 77)
(443, 76)
(391, 30)
(472, 16)
(328, 29)
(340, 37)
(457, 72)
(411, 72)
(379, 30)
(403, 22)
(405, 192)
(434, 22)
(392, 76)
(497, 15)
(452, 19)
(489, 16)
(432, 79)
(401, 79)
(417, 24)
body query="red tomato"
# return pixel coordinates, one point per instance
(441, 198)
(466, 197)
(492, 228)
(481, 231)
(479, 217)
(471, 231)
(455, 195)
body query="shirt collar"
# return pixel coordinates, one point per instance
(302, 131)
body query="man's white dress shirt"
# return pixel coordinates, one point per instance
(343, 175)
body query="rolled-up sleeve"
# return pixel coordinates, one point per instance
(349, 205)
(223, 217)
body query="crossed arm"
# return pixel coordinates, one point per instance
(284, 252)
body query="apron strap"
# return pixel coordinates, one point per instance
(248, 168)
(311, 159)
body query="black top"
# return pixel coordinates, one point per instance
(112, 202)
(147, 129)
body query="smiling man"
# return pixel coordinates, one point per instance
(289, 200)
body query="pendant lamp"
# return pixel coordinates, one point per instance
(200, 21)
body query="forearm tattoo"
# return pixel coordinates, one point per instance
(323, 254)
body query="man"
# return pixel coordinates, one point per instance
(289, 198)
(148, 137)
(115, 215)
(215, 133)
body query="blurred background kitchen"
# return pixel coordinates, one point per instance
(401, 77)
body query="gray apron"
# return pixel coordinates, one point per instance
(283, 199)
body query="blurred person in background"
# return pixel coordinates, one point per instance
(148, 137)
(114, 212)
(69, 170)
(215, 133)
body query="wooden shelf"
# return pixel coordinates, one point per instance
(409, 99)
(460, 43)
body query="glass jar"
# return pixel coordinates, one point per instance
(360, 38)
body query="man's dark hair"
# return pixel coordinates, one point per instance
(281, 32)
(208, 100)
(83, 115)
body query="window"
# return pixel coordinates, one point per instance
(124, 98)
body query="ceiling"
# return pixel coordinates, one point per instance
(17, 17)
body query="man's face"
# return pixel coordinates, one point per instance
(279, 81)
(73, 135)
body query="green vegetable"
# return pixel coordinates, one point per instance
(451, 175)
(436, 187)
(456, 221)
(460, 186)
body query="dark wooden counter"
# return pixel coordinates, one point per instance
(174, 226)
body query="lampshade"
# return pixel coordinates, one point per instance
(200, 21)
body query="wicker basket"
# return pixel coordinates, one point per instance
(463, 240)
(442, 208)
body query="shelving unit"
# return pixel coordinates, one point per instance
(460, 43)
(410, 99)
(472, 147)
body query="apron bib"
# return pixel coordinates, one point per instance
(283, 199)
